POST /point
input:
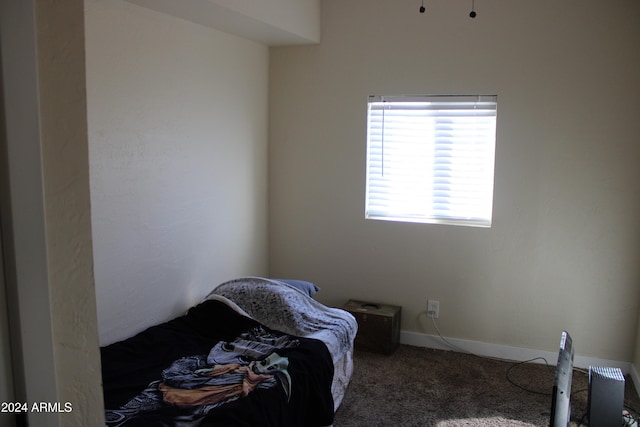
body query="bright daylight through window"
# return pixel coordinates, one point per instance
(431, 159)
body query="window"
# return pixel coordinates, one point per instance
(431, 159)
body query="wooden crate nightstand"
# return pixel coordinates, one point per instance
(378, 326)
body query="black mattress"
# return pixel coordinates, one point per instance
(130, 366)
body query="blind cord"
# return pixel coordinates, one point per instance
(382, 141)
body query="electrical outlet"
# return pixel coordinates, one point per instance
(433, 308)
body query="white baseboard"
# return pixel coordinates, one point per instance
(518, 354)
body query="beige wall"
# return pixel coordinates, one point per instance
(563, 249)
(47, 230)
(178, 154)
(65, 165)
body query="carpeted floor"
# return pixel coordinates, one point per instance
(424, 387)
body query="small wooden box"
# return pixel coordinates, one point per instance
(378, 326)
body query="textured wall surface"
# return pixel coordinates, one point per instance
(55, 357)
(177, 118)
(65, 160)
(563, 249)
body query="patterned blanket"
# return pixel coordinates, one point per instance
(216, 367)
(284, 308)
(193, 386)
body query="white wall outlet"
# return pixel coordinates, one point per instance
(433, 308)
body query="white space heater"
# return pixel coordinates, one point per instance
(606, 396)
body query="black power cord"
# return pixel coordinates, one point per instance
(630, 417)
(515, 384)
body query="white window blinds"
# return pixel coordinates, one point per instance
(431, 159)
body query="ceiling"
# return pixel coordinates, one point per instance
(270, 22)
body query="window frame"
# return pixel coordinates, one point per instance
(484, 140)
